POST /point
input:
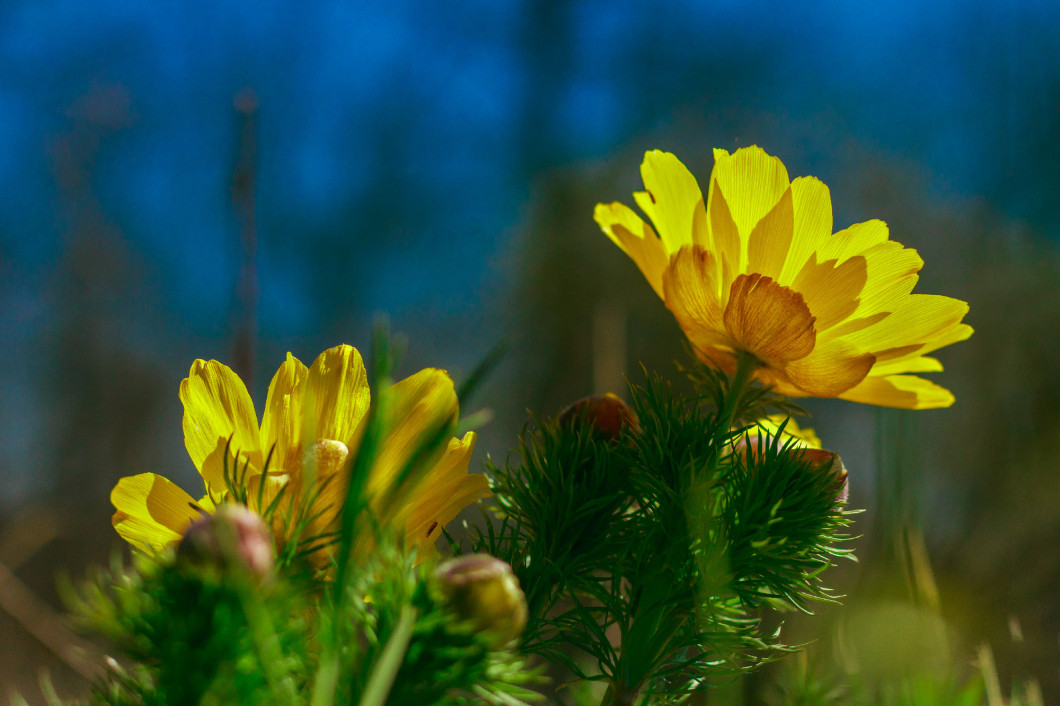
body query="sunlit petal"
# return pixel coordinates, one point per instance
(636, 238)
(444, 491)
(281, 424)
(672, 201)
(218, 411)
(336, 397)
(151, 511)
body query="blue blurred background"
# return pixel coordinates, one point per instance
(239, 180)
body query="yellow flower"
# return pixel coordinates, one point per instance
(757, 270)
(314, 419)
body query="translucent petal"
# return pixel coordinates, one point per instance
(673, 200)
(812, 205)
(725, 239)
(217, 408)
(830, 290)
(830, 369)
(636, 238)
(907, 364)
(281, 424)
(690, 293)
(420, 407)
(753, 183)
(262, 492)
(914, 360)
(336, 396)
(903, 391)
(770, 240)
(853, 241)
(921, 318)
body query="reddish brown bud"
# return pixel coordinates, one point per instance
(606, 414)
(830, 462)
(234, 537)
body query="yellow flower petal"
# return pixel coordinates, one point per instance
(446, 490)
(690, 292)
(770, 321)
(831, 369)
(915, 361)
(908, 364)
(759, 180)
(420, 406)
(725, 239)
(672, 201)
(770, 240)
(812, 206)
(151, 511)
(281, 424)
(329, 484)
(262, 491)
(922, 317)
(805, 437)
(336, 397)
(830, 290)
(217, 408)
(636, 238)
(854, 240)
(903, 391)
(892, 274)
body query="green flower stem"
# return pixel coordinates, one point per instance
(386, 669)
(327, 676)
(653, 630)
(746, 364)
(619, 696)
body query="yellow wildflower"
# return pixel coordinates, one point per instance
(313, 422)
(757, 270)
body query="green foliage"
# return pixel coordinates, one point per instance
(652, 555)
(778, 507)
(203, 636)
(199, 635)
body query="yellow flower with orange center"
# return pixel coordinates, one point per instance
(297, 459)
(755, 269)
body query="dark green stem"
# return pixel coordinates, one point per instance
(746, 364)
(620, 692)
(620, 696)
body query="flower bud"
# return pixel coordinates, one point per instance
(802, 439)
(483, 590)
(830, 463)
(606, 414)
(233, 537)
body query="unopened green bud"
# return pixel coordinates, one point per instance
(232, 538)
(606, 414)
(483, 590)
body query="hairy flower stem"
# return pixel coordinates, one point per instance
(656, 633)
